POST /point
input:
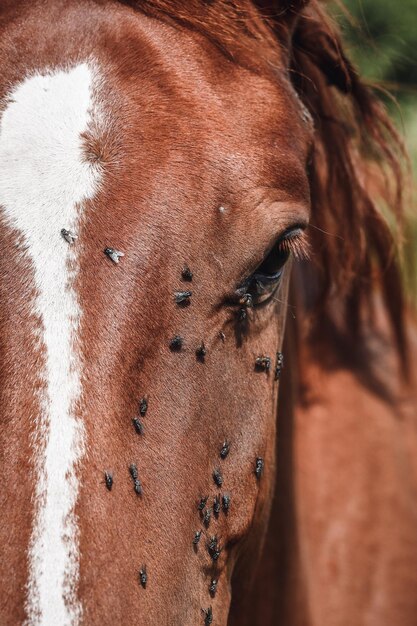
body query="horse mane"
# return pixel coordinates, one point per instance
(355, 168)
(356, 179)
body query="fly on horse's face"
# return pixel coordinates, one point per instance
(171, 170)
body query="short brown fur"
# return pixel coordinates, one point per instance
(188, 87)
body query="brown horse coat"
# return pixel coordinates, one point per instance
(181, 134)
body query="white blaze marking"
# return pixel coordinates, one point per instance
(43, 180)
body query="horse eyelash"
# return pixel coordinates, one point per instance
(296, 243)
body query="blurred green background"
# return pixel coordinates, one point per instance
(381, 37)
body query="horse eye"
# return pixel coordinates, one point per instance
(262, 284)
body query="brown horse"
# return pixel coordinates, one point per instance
(159, 163)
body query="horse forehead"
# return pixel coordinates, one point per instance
(169, 103)
(163, 123)
(203, 133)
(236, 109)
(246, 128)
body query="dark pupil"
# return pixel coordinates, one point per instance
(273, 263)
(264, 281)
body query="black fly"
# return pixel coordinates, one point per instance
(183, 297)
(133, 471)
(138, 425)
(202, 503)
(279, 365)
(206, 517)
(246, 300)
(143, 406)
(114, 255)
(213, 587)
(242, 315)
(217, 477)
(176, 343)
(137, 486)
(259, 467)
(226, 503)
(143, 576)
(109, 480)
(197, 537)
(213, 548)
(263, 363)
(225, 449)
(68, 236)
(187, 274)
(201, 352)
(208, 616)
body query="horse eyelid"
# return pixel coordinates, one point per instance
(295, 241)
(292, 240)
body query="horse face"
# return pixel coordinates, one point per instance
(203, 179)
(188, 191)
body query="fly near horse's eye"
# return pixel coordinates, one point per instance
(261, 285)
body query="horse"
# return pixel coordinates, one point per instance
(200, 207)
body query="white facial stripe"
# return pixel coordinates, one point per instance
(43, 182)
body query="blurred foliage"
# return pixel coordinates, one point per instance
(381, 37)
